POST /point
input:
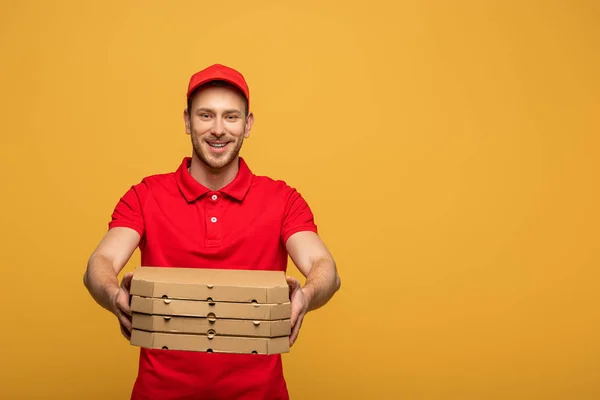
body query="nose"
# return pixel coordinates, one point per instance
(218, 127)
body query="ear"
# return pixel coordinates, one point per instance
(186, 119)
(249, 123)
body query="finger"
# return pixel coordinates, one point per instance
(124, 320)
(293, 317)
(296, 309)
(125, 332)
(123, 304)
(296, 331)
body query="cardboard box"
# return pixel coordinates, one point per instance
(240, 286)
(198, 308)
(211, 310)
(208, 326)
(205, 343)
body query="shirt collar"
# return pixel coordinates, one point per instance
(192, 189)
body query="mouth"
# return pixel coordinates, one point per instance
(218, 147)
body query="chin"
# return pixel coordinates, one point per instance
(216, 162)
(213, 161)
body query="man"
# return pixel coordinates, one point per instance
(212, 212)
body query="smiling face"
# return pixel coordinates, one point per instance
(217, 122)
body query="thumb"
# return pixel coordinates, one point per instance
(126, 282)
(293, 284)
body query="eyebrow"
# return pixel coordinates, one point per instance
(231, 110)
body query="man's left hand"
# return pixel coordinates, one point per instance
(299, 306)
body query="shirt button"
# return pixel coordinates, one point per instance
(214, 197)
(213, 219)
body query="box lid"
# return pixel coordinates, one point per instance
(200, 308)
(203, 343)
(231, 285)
(211, 326)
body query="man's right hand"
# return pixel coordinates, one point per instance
(121, 305)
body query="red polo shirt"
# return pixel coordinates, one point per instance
(183, 224)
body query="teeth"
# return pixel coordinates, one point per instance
(217, 145)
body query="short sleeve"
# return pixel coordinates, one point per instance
(128, 212)
(298, 216)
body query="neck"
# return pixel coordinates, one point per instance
(214, 179)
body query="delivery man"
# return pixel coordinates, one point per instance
(212, 212)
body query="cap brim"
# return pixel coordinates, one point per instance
(219, 78)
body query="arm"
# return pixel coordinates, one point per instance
(104, 265)
(315, 262)
(311, 256)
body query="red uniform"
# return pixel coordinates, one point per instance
(242, 226)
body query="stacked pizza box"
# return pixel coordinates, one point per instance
(210, 310)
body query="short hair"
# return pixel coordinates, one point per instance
(217, 83)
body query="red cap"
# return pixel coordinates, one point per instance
(218, 72)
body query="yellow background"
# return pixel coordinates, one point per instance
(449, 151)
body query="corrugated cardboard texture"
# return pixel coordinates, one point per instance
(218, 344)
(197, 325)
(217, 284)
(197, 308)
